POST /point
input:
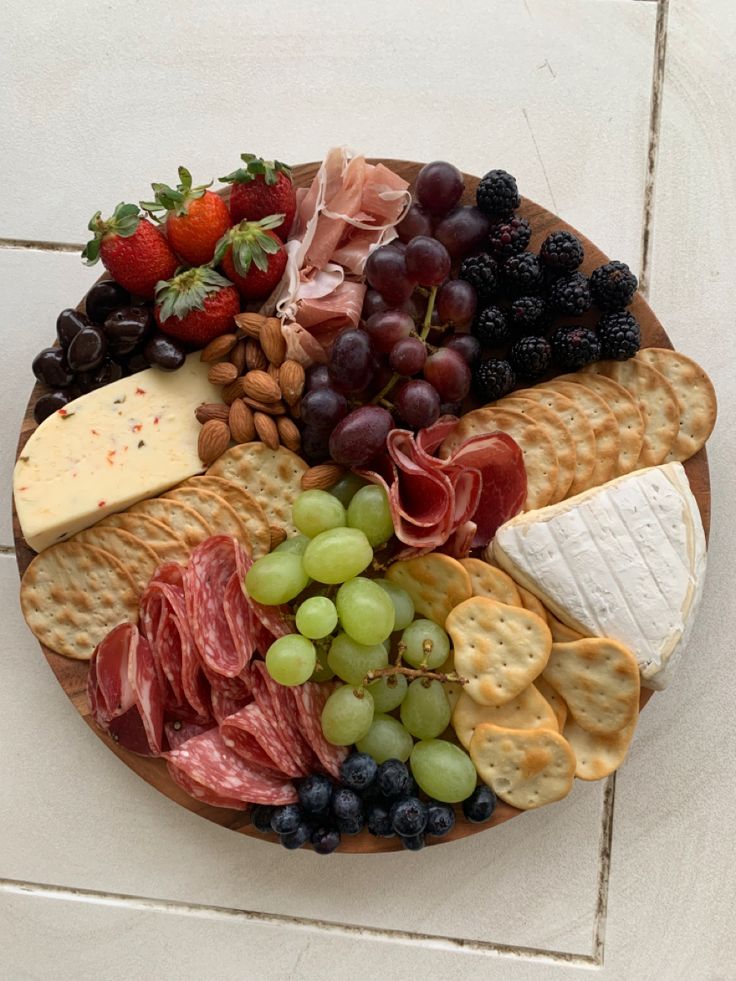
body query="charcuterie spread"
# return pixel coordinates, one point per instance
(364, 505)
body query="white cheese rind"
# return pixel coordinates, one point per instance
(110, 448)
(625, 560)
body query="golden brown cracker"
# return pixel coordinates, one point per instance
(529, 710)
(558, 432)
(247, 508)
(487, 580)
(180, 518)
(137, 558)
(165, 543)
(435, 582)
(597, 756)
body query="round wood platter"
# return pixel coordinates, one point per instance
(72, 675)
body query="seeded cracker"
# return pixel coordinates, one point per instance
(180, 518)
(137, 558)
(487, 580)
(156, 535)
(215, 510)
(435, 582)
(557, 430)
(247, 508)
(529, 710)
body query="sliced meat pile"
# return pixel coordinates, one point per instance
(190, 685)
(454, 504)
(350, 208)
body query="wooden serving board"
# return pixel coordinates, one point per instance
(72, 675)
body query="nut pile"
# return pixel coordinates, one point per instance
(261, 389)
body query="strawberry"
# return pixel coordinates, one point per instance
(133, 251)
(262, 188)
(196, 306)
(253, 256)
(196, 219)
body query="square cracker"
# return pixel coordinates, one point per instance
(500, 649)
(435, 582)
(487, 580)
(529, 710)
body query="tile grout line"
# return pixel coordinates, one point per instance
(655, 118)
(20, 887)
(33, 245)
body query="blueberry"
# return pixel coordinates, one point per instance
(286, 819)
(358, 771)
(393, 779)
(325, 839)
(440, 819)
(346, 804)
(379, 821)
(350, 826)
(413, 842)
(260, 818)
(409, 816)
(315, 792)
(296, 838)
(480, 805)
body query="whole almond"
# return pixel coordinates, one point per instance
(250, 323)
(214, 439)
(233, 391)
(240, 421)
(266, 429)
(269, 408)
(272, 341)
(222, 373)
(296, 409)
(288, 433)
(322, 476)
(291, 380)
(219, 348)
(260, 385)
(273, 371)
(255, 359)
(278, 535)
(211, 410)
(237, 356)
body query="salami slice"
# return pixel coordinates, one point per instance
(239, 617)
(211, 566)
(250, 734)
(201, 793)
(179, 732)
(277, 705)
(228, 695)
(208, 762)
(275, 619)
(309, 700)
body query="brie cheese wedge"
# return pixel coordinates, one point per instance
(625, 560)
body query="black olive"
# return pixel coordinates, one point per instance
(164, 352)
(68, 325)
(108, 371)
(137, 362)
(51, 368)
(49, 403)
(87, 350)
(103, 298)
(125, 328)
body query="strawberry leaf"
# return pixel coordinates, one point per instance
(187, 291)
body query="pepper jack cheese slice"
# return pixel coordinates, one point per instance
(625, 560)
(106, 450)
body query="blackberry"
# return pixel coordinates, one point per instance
(528, 315)
(492, 379)
(481, 271)
(570, 294)
(522, 274)
(574, 346)
(509, 236)
(492, 327)
(497, 194)
(530, 356)
(562, 251)
(619, 335)
(613, 285)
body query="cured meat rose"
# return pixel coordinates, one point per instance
(211, 765)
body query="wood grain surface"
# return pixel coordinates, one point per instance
(72, 675)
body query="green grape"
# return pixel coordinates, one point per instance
(388, 691)
(365, 610)
(426, 710)
(297, 544)
(369, 510)
(386, 739)
(347, 715)
(346, 486)
(403, 603)
(337, 555)
(316, 617)
(315, 511)
(419, 634)
(452, 688)
(322, 672)
(351, 661)
(276, 578)
(443, 770)
(290, 660)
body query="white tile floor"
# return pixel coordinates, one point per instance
(102, 877)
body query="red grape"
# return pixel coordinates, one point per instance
(466, 345)
(427, 261)
(418, 404)
(375, 303)
(360, 436)
(439, 186)
(416, 221)
(323, 408)
(386, 272)
(317, 377)
(387, 328)
(449, 374)
(463, 231)
(314, 446)
(408, 356)
(456, 302)
(398, 246)
(351, 362)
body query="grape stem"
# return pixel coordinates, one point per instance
(426, 325)
(452, 676)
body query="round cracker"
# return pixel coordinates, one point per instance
(530, 602)
(435, 582)
(73, 594)
(555, 701)
(155, 534)
(529, 710)
(559, 434)
(696, 399)
(215, 510)
(137, 558)
(247, 508)
(540, 456)
(605, 427)
(628, 415)
(657, 402)
(273, 477)
(561, 633)
(487, 580)
(597, 756)
(577, 425)
(180, 518)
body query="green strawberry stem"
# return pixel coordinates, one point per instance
(255, 167)
(187, 291)
(250, 244)
(174, 199)
(124, 222)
